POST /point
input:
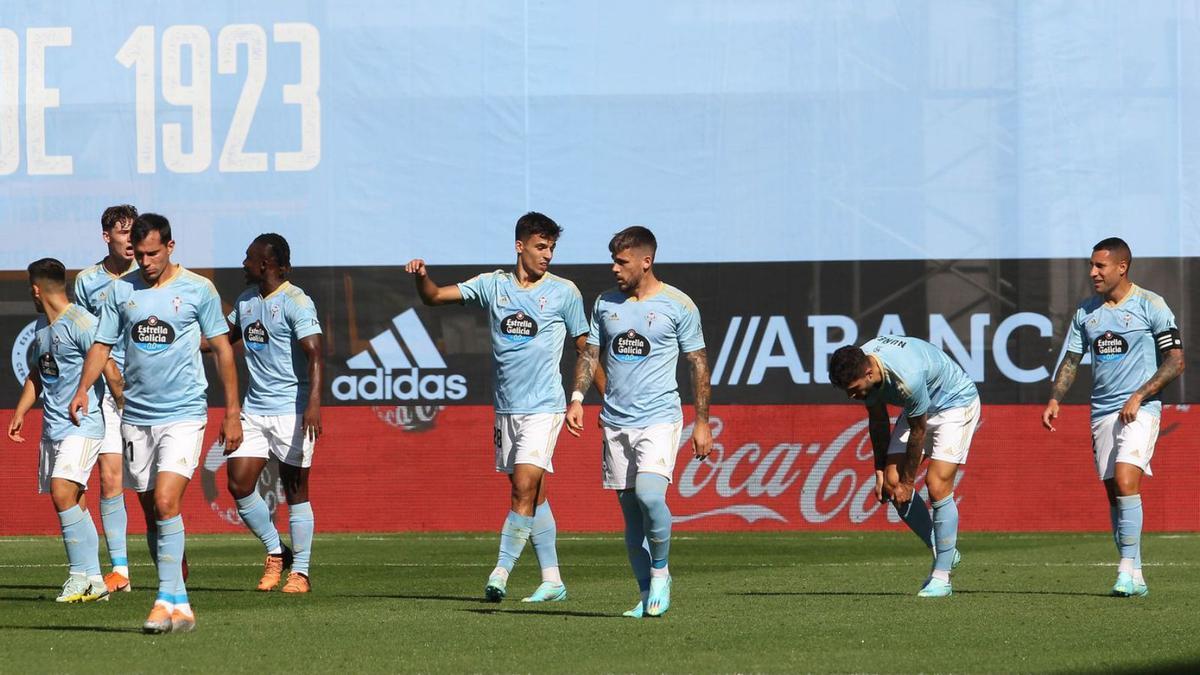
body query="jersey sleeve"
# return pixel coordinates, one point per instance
(81, 297)
(573, 315)
(478, 290)
(689, 330)
(208, 312)
(593, 337)
(108, 331)
(232, 317)
(301, 315)
(917, 401)
(1160, 317)
(1075, 343)
(85, 336)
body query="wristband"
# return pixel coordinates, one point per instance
(577, 397)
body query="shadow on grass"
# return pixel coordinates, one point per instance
(211, 589)
(26, 598)
(544, 612)
(1185, 665)
(28, 587)
(408, 596)
(86, 629)
(768, 594)
(1077, 594)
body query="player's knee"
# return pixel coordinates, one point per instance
(938, 489)
(166, 506)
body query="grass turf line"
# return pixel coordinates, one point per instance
(816, 602)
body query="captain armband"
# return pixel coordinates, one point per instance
(1167, 340)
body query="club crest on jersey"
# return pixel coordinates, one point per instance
(255, 335)
(542, 304)
(1127, 319)
(48, 368)
(630, 347)
(152, 335)
(519, 327)
(650, 316)
(274, 312)
(1110, 347)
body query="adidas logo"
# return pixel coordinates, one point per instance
(396, 366)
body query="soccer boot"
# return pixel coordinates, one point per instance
(74, 589)
(1126, 587)
(273, 569)
(635, 613)
(182, 623)
(297, 583)
(660, 596)
(159, 620)
(115, 581)
(935, 588)
(496, 588)
(97, 590)
(548, 591)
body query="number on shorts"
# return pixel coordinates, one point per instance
(496, 437)
(128, 451)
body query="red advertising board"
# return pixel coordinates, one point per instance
(775, 467)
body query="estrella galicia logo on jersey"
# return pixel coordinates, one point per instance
(629, 346)
(255, 335)
(519, 327)
(1110, 347)
(152, 335)
(48, 368)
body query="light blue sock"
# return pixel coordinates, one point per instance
(91, 546)
(116, 522)
(301, 524)
(74, 524)
(916, 516)
(543, 536)
(635, 540)
(513, 536)
(1129, 527)
(651, 490)
(1115, 517)
(945, 524)
(257, 517)
(170, 560)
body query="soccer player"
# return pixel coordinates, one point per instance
(531, 313)
(281, 415)
(161, 310)
(1136, 351)
(68, 452)
(643, 325)
(91, 288)
(940, 412)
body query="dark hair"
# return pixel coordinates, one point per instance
(847, 364)
(150, 222)
(116, 214)
(1117, 247)
(635, 236)
(537, 223)
(277, 248)
(48, 269)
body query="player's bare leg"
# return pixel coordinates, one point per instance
(243, 474)
(517, 529)
(112, 514)
(1125, 508)
(171, 611)
(300, 523)
(84, 583)
(544, 537)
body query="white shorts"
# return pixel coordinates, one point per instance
(174, 447)
(71, 458)
(947, 434)
(1114, 441)
(112, 445)
(279, 435)
(526, 439)
(628, 452)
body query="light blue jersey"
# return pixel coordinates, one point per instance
(640, 342)
(1121, 338)
(918, 377)
(164, 374)
(529, 327)
(91, 290)
(59, 351)
(270, 328)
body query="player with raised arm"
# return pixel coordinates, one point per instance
(281, 415)
(637, 333)
(1136, 351)
(940, 413)
(68, 452)
(531, 314)
(92, 285)
(161, 310)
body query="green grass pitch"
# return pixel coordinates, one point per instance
(812, 602)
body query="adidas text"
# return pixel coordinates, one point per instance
(399, 385)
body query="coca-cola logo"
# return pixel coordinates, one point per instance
(152, 335)
(630, 346)
(255, 336)
(801, 480)
(519, 327)
(1110, 347)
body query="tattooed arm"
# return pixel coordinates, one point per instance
(586, 366)
(1172, 366)
(702, 441)
(1063, 380)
